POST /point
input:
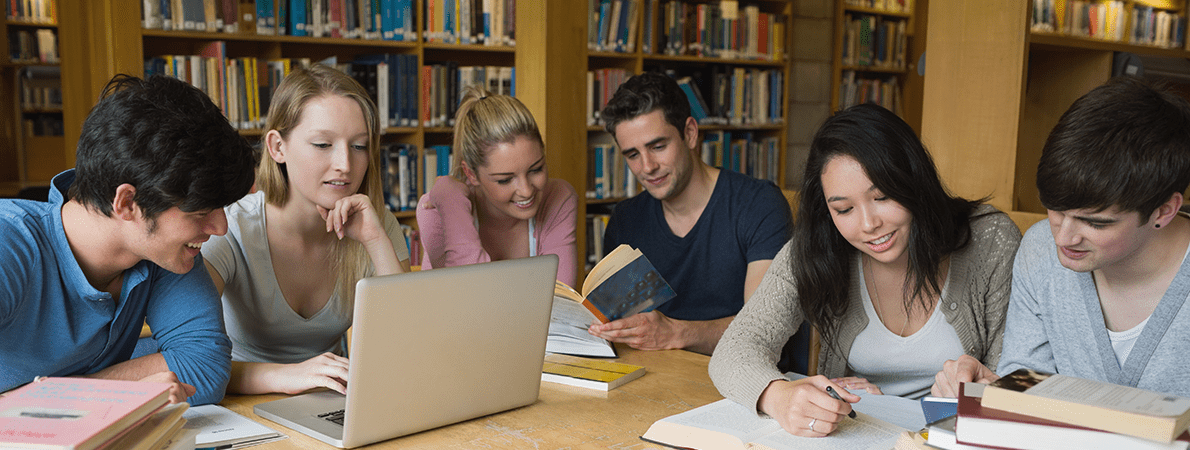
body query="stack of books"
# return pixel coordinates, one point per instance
(1028, 409)
(84, 414)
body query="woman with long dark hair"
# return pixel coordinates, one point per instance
(895, 274)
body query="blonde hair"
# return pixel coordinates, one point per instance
(484, 120)
(350, 261)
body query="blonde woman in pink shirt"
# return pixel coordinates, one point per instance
(498, 202)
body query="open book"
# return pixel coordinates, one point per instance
(569, 321)
(623, 283)
(728, 425)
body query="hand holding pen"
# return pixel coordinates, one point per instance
(831, 391)
(805, 407)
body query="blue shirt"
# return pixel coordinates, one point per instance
(54, 323)
(745, 220)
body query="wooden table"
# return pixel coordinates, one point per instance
(562, 417)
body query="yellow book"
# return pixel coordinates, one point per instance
(588, 373)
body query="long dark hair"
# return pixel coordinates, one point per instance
(898, 164)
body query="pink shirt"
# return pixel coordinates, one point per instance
(449, 237)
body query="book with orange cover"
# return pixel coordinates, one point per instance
(623, 283)
(75, 413)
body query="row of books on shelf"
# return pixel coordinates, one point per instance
(874, 41)
(896, 6)
(608, 175)
(719, 29)
(737, 95)
(37, 11)
(596, 226)
(1112, 20)
(403, 167)
(443, 85)
(742, 152)
(40, 87)
(488, 22)
(40, 45)
(242, 87)
(612, 24)
(43, 124)
(883, 91)
(1027, 409)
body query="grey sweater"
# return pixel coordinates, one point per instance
(745, 361)
(1055, 324)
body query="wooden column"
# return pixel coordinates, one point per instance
(551, 68)
(974, 83)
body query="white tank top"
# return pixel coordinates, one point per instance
(903, 366)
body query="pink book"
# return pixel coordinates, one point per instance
(75, 413)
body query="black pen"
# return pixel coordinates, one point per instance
(831, 391)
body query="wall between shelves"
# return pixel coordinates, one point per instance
(810, 93)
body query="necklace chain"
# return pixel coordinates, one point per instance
(876, 294)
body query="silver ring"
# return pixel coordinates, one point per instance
(812, 422)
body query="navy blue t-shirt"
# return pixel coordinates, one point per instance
(745, 220)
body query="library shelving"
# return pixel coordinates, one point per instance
(730, 57)
(876, 46)
(33, 147)
(992, 101)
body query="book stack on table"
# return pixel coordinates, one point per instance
(86, 413)
(1027, 409)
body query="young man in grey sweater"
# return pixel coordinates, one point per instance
(1101, 292)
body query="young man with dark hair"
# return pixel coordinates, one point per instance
(1102, 293)
(711, 233)
(117, 246)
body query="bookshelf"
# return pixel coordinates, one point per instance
(719, 45)
(33, 147)
(877, 44)
(987, 117)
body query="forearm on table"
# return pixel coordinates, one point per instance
(134, 369)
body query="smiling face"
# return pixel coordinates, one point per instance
(872, 222)
(1090, 240)
(175, 238)
(326, 153)
(513, 178)
(658, 154)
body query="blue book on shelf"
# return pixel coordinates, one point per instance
(282, 17)
(600, 177)
(395, 12)
(622, 31)
(413, 197)
(605, 12)
(697, 109)
(448, 22)
(297, 16)
(166, 16)
(443, 158)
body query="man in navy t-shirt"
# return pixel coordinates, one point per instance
(711, 233)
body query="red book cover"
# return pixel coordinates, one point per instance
(981, 426)
(75, 413)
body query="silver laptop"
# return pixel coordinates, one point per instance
(433, 348)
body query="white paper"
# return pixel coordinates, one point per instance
(218, 426)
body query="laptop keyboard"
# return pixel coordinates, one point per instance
(333, 416)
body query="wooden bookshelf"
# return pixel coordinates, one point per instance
(847, 66)
(25, 158)
(637, 60)
(992, 102)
